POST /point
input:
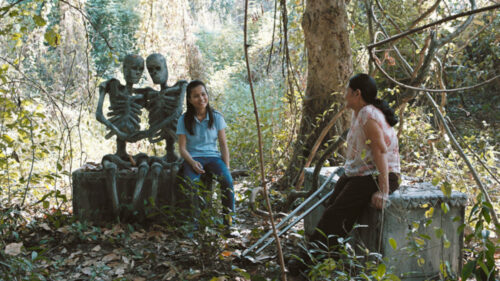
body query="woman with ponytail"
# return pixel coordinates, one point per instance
(372, 161)
(198, 131)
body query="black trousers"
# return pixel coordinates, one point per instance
(349, 199)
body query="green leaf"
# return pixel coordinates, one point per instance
(419, 241)
(446, 243)
(40, 21)
(483, 267)
(435, 181)
(446, 189)
(34, 255)
(445, 207)
(393, 243)
(467, 270)
(52, 37)
(429, 213)
(439, 232)
(381, 270)
(46, 204)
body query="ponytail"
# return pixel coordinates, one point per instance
(368, 88)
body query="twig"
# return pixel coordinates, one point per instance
(411, 31)
(372, 56)
(272, 40)
(314, 149)
(32, 161)
(261, 154)
(7, 8)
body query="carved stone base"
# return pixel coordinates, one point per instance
(92, 202)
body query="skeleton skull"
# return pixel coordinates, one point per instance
(157, 68)
(133, 67)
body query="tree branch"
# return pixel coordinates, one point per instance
(372, 56)
(411, 31)
(7, 8)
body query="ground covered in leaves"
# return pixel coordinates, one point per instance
(52, 245)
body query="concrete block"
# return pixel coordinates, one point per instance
(423, 232)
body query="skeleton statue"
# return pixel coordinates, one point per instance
(165, 108)
(125, 109)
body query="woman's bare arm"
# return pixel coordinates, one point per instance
(223, 147)
(375, 137)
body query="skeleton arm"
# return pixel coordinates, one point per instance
(178, 89)
(100, 116)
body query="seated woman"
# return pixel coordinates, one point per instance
(198, 130)
(372, 165)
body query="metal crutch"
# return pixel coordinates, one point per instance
(338, 171)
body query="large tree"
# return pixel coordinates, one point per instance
(325, 25)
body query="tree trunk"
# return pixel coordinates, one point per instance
(325, 25)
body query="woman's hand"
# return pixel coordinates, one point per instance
(379, 200)
(197, 167)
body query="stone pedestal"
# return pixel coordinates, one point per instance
(415, 234)
(92, 202)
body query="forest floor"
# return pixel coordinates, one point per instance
(51, 245)
(57, 247)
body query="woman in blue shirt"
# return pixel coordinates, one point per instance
(198, 130)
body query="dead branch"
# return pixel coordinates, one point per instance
(411, 31)
(261, 147)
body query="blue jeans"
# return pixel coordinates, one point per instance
(218, 168)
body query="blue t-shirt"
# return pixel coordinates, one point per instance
(204, 141)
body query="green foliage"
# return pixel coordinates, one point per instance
(341, 261)
(117, 21)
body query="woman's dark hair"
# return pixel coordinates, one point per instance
(368, 88)
(191, 111)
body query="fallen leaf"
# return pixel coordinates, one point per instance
(120, 270)
(110, 257)
(87, 270)
(139, 279)
(226, 253)
(170, 274)
(45, 226)
(194, 275)
(13, 249)
(65, 229)
(74, 254)
(125, 260)
(137, 235)
(96, 248)
(220, 278)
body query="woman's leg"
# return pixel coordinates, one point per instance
(192, 179)
(217, 167)
(351, 199)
